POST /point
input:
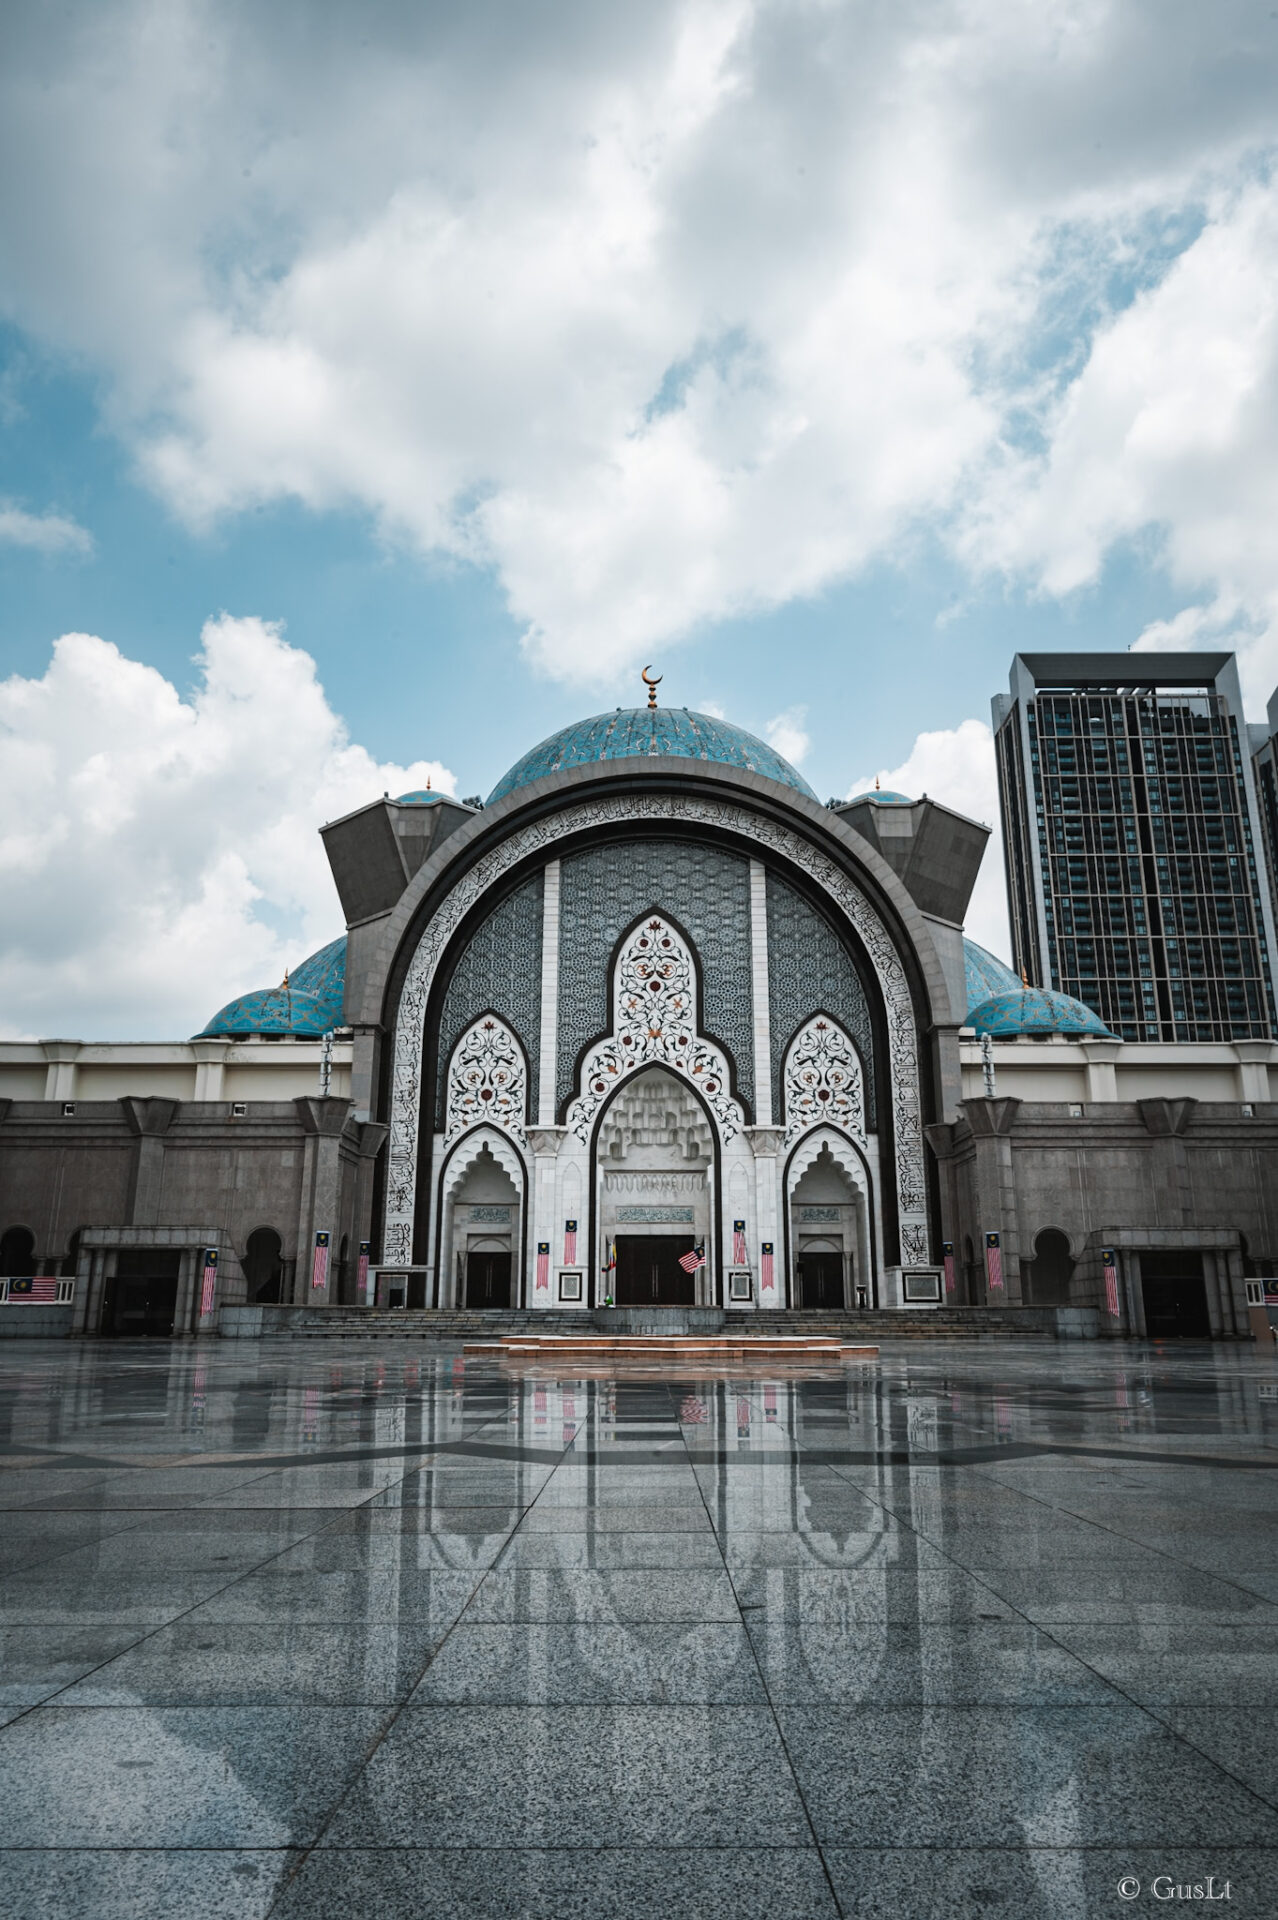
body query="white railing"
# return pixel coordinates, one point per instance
(17, 1291)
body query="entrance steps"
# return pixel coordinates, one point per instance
(459, 1324)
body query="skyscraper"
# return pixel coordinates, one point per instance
(1133, 842)
(1264, 750)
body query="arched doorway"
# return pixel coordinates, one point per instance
(1048, 1274)
(829, 1226)
(17, 1253)
(826, 1233)
(482, 1224)
(264, 1266)
(655, 1169)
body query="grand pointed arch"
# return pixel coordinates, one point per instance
(546, 836)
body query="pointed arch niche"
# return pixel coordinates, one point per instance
(654, 1023)
(830, 1215)
(824, 1080)
(483, 1200)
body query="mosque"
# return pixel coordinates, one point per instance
(650, 1026)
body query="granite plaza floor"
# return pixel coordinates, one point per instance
(297, 1630)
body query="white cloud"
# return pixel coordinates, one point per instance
(45, 532)
(1167, 434)
(672, 312)
(956, 766)
(159, 854)
(787, 734)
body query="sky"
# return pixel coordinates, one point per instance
(381, 387)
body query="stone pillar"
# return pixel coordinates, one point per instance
(1254, 1057)
(763, 1111)
(148, 1120)
(59, 1076)
(548, 1058)
(769, 1147)
(190, 1275)
(322, 1120)
(994, 1187)
(210, 1066)
(543, 1221)
(1102, 1074)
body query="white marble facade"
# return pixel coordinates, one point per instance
(654, 1135)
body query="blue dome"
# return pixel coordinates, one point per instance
(983, 975)
(649, 730)
(420, 797)
(311, 1003)
(1035, 1011)
(883, 798)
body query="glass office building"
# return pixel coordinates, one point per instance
(1135, 856)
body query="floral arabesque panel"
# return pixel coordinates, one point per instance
(824, 1085)
(487, 1081)
(655, 1020)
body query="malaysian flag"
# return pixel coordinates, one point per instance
(994, 1261)
(570, 1243)
(1110, 1264)
(208, 1286)
(610, 1255)
(766, 1281)
(947, 1255)
(543, 1264)
(694, 1258)
(361, 1271)
(738, 1243)
(41, 1289)
(319, 1266)
(743, 1418)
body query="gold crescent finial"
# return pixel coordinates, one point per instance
(651, 684)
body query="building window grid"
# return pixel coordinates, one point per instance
(1151, 898)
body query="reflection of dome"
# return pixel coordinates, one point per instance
(984, 974)
(649, 730)
(1035, 1010)
(311, 1003)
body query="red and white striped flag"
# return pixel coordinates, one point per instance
(947, 1255)
(767, 1283)
(570, 1243)
(319, 1266)
(694, 1258)
(41, 1289)
(1111, 1281)
(361, 1272)
(738, 1243)
(543, 1264)
(208, 1288)
(994, 1261)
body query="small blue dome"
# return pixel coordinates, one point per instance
(883, 798)
(984, 974)
(649, 730)
(420, 797)
(1035, 1011)
(311, 1003)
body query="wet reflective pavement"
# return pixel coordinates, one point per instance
(292, 1630)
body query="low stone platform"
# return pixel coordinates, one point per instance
(650, 1346)
(462, 1323)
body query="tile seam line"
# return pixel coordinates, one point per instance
(52, 1698)
(672, 1390)
(1146, 1711)
(304, 1852)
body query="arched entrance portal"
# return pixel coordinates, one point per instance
(655, 1172)
(830, 1224)
(482, 1224)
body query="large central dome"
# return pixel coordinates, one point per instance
(676, 731)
